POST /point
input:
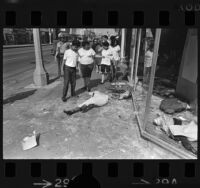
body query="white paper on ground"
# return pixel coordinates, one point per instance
(189, 131)
(29, 142)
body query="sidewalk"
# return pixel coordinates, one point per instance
(108, 132)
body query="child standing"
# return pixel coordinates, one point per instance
(107, 55)
(116, 57)
(70, 62)
(98, 57)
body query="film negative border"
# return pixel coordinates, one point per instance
(101, 173)
(138, 19)
(108, 173)
(138, 14)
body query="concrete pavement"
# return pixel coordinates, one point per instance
(108, 132)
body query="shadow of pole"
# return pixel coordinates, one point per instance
(19, 96)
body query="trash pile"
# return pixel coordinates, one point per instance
(173, 105)
(164, 87)
(120, 90)
(174, 121)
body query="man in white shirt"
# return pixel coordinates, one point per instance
(70, 62)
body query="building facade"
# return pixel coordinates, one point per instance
(15, 36)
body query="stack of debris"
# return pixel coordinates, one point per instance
(176, 125)
(120, 90)
(164, 87)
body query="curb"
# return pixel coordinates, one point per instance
(21, 46)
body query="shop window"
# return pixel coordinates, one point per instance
(164, 116)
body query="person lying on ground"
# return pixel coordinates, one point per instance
(97, 99)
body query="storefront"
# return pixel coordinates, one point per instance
(165, 92)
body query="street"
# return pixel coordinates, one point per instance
(18, 60)
(19, 65)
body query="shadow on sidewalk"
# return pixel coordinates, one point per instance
(19, 96)
(50, 81)
(93, 83)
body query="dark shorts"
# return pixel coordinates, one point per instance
(86, 70)
(105, 68)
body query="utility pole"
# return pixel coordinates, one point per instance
(40, 76)
(137, 57)
(134, 39)
(50, 42)
(122, 43)
(4, 37)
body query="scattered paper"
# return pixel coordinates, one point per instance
(189, 130)
(29, 142)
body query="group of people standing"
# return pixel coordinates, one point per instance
(102, 54)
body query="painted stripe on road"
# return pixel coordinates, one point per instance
(22, 52)
(28, 73)
(15, 58)
(5, 61)
(6, 76)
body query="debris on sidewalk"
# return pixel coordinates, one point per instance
(116, 90)
(178, 129)
(190, 146)
(29, 141)
(189, 130)
(164, 121)
(173, 105)
(118, 84)
(126, 95)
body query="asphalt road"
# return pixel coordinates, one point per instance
(16, 61)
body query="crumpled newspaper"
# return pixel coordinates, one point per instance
(189, 130)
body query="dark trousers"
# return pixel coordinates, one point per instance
(69, 77)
